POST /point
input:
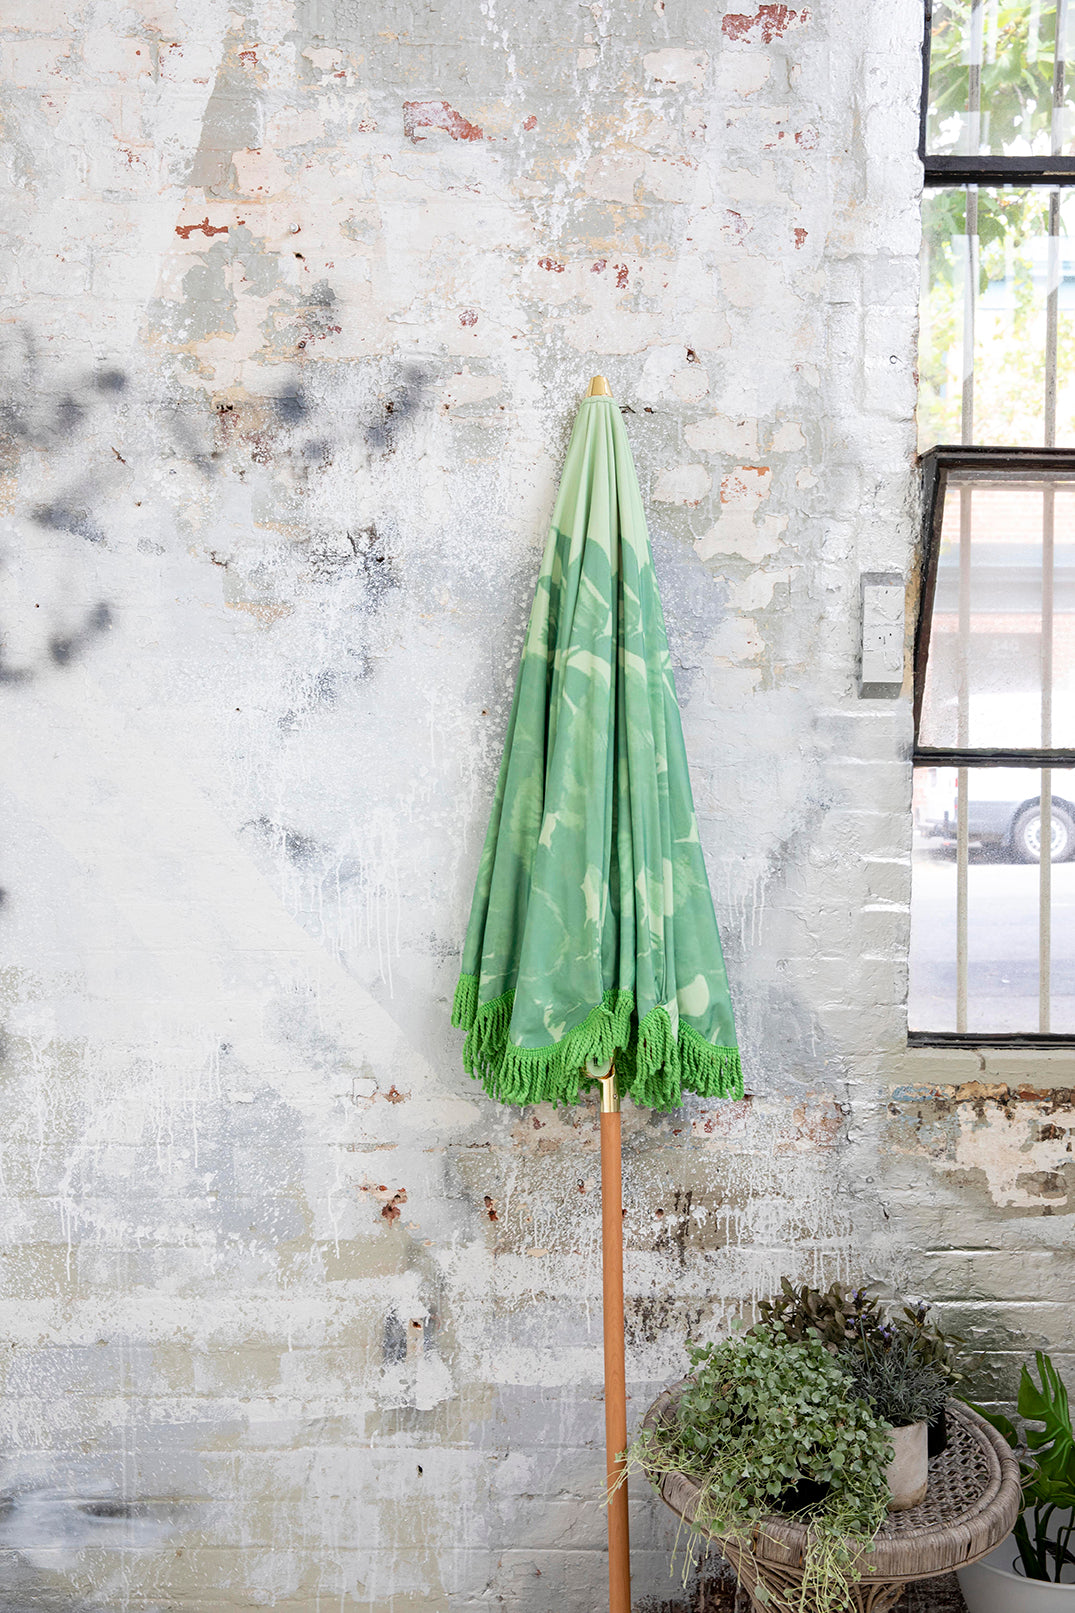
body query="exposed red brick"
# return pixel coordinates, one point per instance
(772, 21)
(437, 115)
(391, 1211)
(971, 1091)
(531, 123)
(468, 317)
(187, 230)
(621, 275)
(550, 264)
(800, 237)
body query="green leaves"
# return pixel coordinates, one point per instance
(832, 1316)
(903, 1367)
(763, 1412)
(1047, 1467)
(761, 1415)
(1053, 1445)
(895, 1373)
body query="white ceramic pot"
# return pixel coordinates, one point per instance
(993, 1586)
(908, 1472)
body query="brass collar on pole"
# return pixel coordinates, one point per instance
(610, 1098)
(599, 388)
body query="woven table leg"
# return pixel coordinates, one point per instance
(879, 1598)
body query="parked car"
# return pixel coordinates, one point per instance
(1000, 812)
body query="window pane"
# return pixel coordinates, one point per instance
(999, 959)
(982, 362)
(1003, 610)
(991, 80)
(1061, 725)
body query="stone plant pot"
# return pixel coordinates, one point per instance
(908, 1472)
(997, 1584)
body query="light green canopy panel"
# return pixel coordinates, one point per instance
(592, 931)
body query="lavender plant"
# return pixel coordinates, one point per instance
(899, 1383)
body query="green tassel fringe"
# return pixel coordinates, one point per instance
(652, 1065)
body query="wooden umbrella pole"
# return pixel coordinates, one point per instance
(619, 1545)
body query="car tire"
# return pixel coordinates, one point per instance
(1026, 834)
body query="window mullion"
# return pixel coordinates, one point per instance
(1048, 541)
(970, 299)
(1045, 861)
(972, 140)
(1052, 299)
(1045, 907)
(1060, 46)
(963, 737)
(962, 883)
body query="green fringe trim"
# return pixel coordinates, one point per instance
(652, 1065)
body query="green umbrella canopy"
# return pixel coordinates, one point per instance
(592, 933)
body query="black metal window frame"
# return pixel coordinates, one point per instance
(938, 465)
(1047, 173)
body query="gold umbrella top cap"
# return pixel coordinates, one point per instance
(599, 388)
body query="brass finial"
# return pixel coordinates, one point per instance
(599, 388)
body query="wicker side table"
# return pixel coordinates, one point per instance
(972, 1503)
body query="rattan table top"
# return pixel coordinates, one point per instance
(972, 1502)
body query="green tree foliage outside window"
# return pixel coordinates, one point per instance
(1009, 324)
(1017, 53)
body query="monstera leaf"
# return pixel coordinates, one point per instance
(1045, 1528)
(1053, 1444)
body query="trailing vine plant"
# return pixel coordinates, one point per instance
(761, 1419)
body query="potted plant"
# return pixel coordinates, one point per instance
(1033, 1571)
(916, 1365)
(835, 1317)
(766, 1424)
(906, 1391)
(941, 1350)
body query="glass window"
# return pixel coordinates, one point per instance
(993, 67)
(993, 861)
(982, 962)
(990, 257)
(993, 867)
(1003, 614)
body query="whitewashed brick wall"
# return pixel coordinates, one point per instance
(298, 301)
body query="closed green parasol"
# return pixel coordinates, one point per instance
(592, 934)
(592, 953)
